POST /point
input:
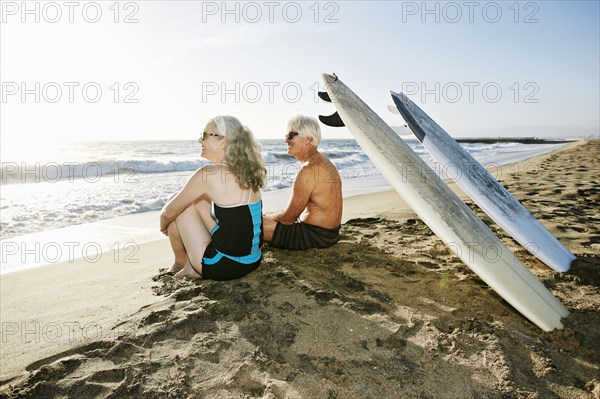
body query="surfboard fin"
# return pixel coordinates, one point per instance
(332, 120)
(393, 109)
(324, 96)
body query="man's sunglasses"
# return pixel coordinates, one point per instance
(291, 135)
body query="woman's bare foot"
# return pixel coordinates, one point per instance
(189, 272)
(176, 267)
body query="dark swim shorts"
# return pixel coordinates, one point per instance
(225, 268)
(303, 236)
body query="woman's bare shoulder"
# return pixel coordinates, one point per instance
(212, 173)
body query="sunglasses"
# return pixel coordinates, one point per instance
(291, 135)
(206, 134)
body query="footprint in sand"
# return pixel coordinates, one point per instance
(156, 317)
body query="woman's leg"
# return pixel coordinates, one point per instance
(268, 228)
(181, 256)
(194, 226)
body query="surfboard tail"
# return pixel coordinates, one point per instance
(491, 196)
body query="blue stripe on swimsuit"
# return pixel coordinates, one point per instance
(238, 233)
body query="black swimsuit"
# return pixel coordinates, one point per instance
(236, 244)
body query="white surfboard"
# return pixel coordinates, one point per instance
(445, 214)
(483, 189)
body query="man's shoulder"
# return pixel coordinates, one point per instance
(319, 169)
(318, 160)
(314, 164)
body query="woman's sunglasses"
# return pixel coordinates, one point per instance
(206, 134)
(291, 135)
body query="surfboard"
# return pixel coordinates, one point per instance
(493, 198)
(445, 214)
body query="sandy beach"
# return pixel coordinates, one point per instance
(388, 312)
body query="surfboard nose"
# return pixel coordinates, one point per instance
(328, 78)
(401, 97)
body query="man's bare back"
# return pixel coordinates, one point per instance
(324, 206)
(313, 215)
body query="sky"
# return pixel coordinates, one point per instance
(159, 70)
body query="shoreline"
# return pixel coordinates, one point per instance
(520, 140)
(101, 237)
(392, 203)
(389, 278)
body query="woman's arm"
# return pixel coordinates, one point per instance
(194, 188)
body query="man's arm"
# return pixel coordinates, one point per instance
(302, 189)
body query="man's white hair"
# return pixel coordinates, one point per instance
(306, 126)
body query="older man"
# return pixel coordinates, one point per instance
(313, 215)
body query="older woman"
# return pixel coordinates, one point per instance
(214, 223)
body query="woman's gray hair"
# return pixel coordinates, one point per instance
(242, 153)
(306, 126)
